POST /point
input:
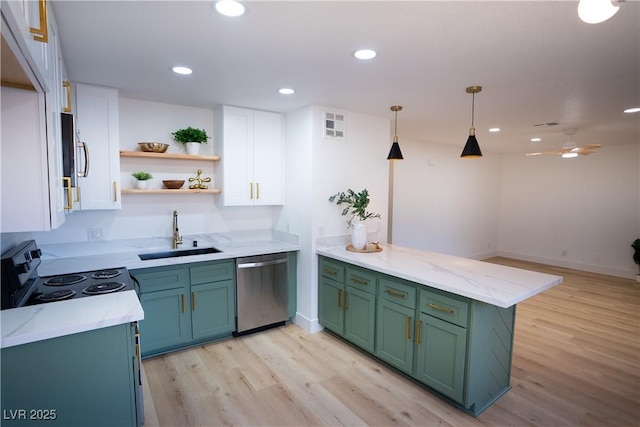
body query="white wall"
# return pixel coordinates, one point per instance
(317, 168)
(580, 213)
(150, 215)
(444, 203)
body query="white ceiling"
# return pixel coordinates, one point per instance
(536, 61)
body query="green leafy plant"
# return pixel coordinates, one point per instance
(190, 135)
(141, 176)
(636, 256)
(354, 204)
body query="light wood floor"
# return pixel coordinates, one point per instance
(576, 362)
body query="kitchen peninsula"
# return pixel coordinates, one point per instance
(444, 321)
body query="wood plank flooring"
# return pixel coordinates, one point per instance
(576, 362)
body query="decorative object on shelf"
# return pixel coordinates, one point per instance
(199, 181)
(471, 148)
(395, 153)
(636, 256)
(141, 178)
(153, 147)
(356, 205)
(191, 138)
(173, 184)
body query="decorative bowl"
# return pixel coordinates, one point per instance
(173, 184)
(153, 147)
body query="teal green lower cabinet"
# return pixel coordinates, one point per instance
(186, 304)
(88, 378)
(442, 349)
(455, 346)
(395, 335)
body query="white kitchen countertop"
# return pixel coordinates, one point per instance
(491, 283)
(43, 321)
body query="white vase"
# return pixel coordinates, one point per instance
(141, 185)
(192, 148)
(359, 235)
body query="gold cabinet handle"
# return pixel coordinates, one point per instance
(251, 190)
(359, 282)
(442, 309)
(77, 200)
(409, 327)
(419, 333)
(67, 182)
(326, 270)
(182, 300)
(395, 294)
(339, 297)
(257, 190)
(346, 300)
(193, 301)
(115, 191)
(41, 34)
(67, 87)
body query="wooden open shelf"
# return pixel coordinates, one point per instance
(177, 156)
(167, 191)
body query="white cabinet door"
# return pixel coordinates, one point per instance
(30, 187)
(251, 146)
(97, 125)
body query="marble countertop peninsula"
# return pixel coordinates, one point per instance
(43, 321)
(482, 281)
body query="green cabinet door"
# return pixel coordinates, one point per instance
(212, 309)
(442, 352)
(394, 334)
(167, 320)
(330, 314)
(360, 318)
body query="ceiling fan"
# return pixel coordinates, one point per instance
(570, 149)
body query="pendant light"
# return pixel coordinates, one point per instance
(471, 148)
(596, 11)
(395, 153)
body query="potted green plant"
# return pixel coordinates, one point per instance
(141, 178)
(636, 256)
(191, 138)
(355, 205)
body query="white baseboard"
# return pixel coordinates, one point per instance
(308, 325)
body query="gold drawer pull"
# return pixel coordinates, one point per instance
(346, 300)
(395, 294)
(442, 309)
(67, 184)
(419, 333)
(359, 282)
(339, 297)
(41, 33)
(67, 87)
(182, 299)
(409, 327)
(326, 270)
(257, 190)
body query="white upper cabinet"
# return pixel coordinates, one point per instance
(97, 126)
(251, 145)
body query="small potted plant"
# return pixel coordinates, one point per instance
(636, 256)
(191, 138)
(355, 205)
(141, 178)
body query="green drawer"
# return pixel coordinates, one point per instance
(448, 308)
(161, 278)
(362, 279)
(332, 270)
(212, 272)
(400, 293)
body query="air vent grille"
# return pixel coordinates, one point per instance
(334, 125)
(548, 124)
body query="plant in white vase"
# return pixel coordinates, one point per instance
(141, 178)
(191, 138)
(355, 205)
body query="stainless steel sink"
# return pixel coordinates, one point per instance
(173, 254)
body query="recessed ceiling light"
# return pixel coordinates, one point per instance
(182, 70)
(536, 139)
(230, 8)
(286, 91)
(365, 54)
(494, 130)
(632, 110)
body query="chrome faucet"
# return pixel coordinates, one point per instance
(177, 239)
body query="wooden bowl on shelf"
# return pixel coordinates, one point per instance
(173, 184)
(153, 147)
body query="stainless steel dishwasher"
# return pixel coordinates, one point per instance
(262, 296)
